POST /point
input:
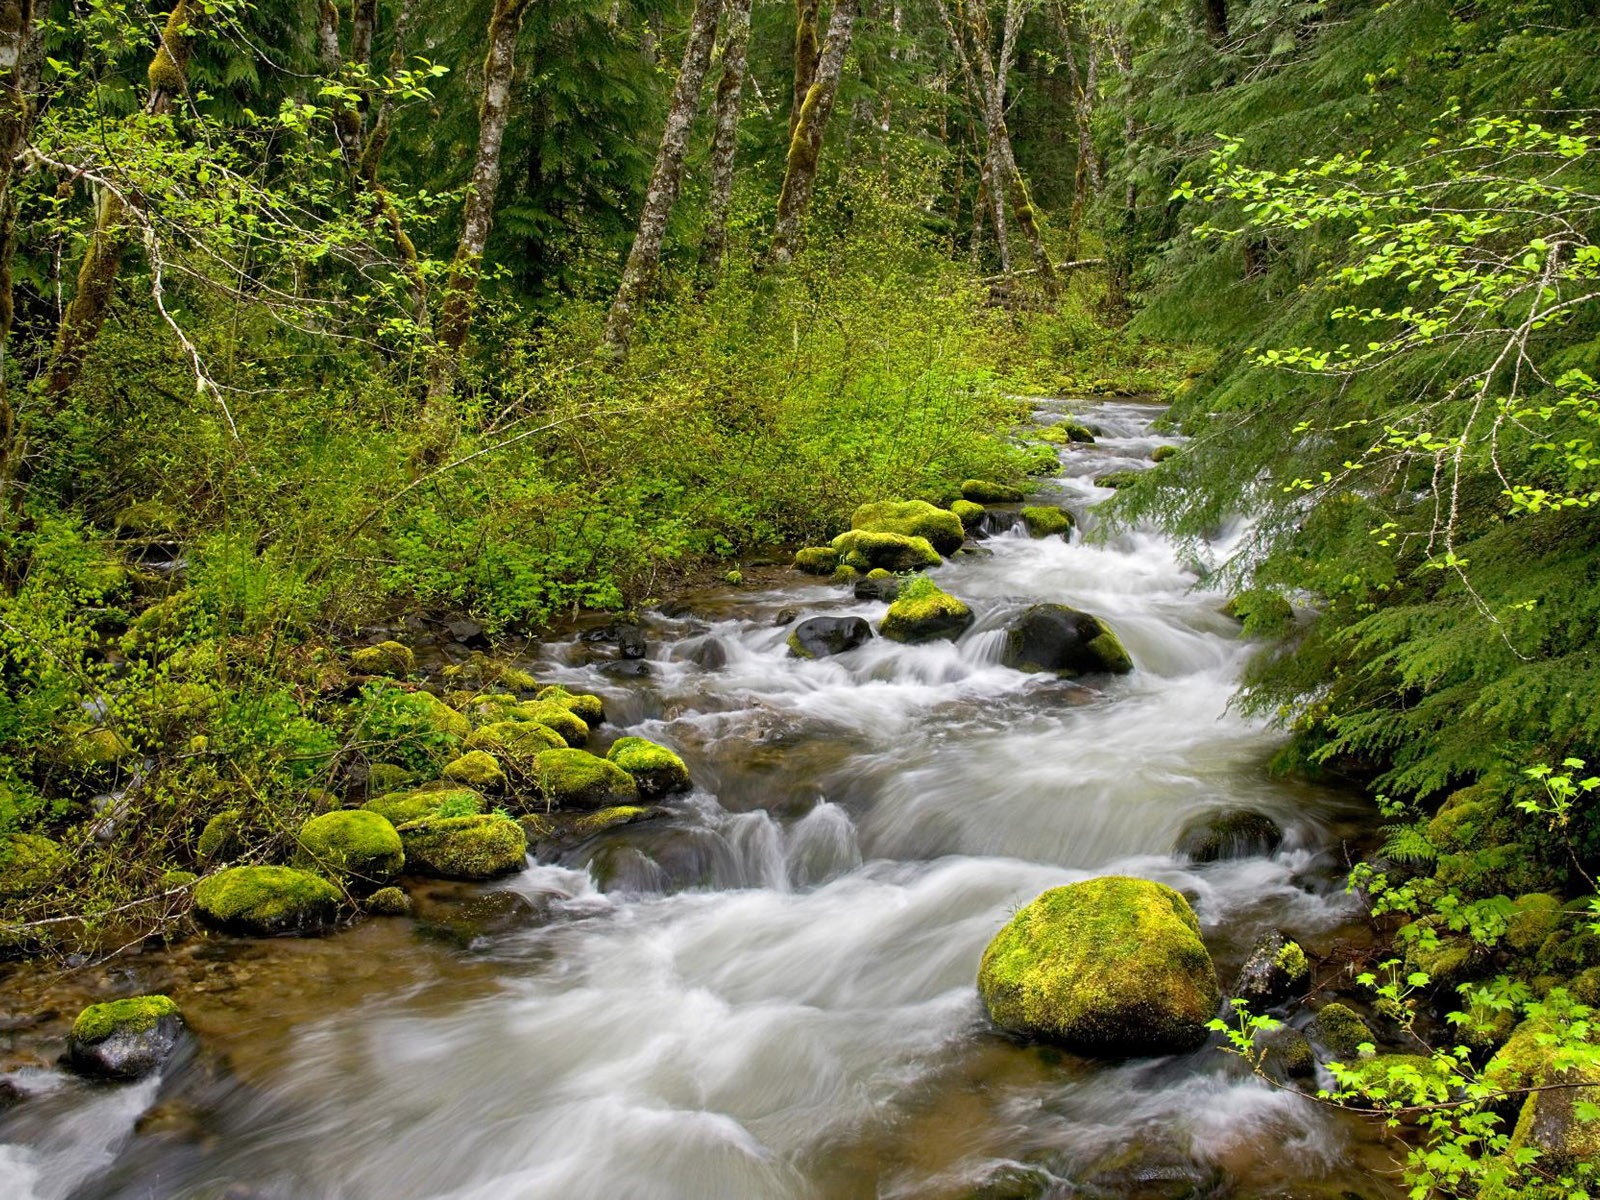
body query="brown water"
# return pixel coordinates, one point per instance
(768, 993)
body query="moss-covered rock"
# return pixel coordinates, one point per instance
(1341, 1029)
(844, 576)
(482, 671)
(1261, 611)
(1548, 1121)
(476, 769)
(1111, 966)
(578, 779)
(399, 808)
(388, 902)
(656, 770)
(439, 715)
(1289, 1054)
(1537, 915)
(97, 746)
(816, 560)
(574, 730)
(987, 491)
(1228, 833)
(1412, 1078)
(1044, 520)
(1064, 641)
(925, 614)
(176, 880)
(969, 513)
(386, 658)
(1462, 819)
(1162, 453)
(822, 637)
(124, 1039)
(28, 861)
(480, 847)
(383, 778)
(939, 527)
(863, 550)
(1446, 958)
(1116, 479)
(357, 845)
(516, 744)
(221, 839)
(589, 709)
(264, 901)
(1275, 970)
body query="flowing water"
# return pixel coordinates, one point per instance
(770, 992)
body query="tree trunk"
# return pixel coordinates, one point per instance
(1216, 20)
(1119, 243)
(806, 54)
(97, 276)
(17, 39)
(372, 157)
(644, 259)
(735, 56)
(363, 24)
(455, 313)
(1085, 85)
(805, 147)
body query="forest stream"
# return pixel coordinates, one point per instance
(769, 992)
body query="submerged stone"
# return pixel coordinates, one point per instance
(1111, 966)
(1228, 833)
(821, 637)
(124, 1039)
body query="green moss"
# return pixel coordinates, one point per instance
(578, 779)
(266, 900)
(398, 808)
(480, 847)
(1043, 520)
(1537, 916)
(28, 861)
(1461, 819)
(1105, 966)
(175, 879)
(1162, 453)
(1262, 612)
(1116, 479)
(516, 744)
(656, 770)
(987, 491)
(593, 824)
(388, 902)
(136, 1014)
(222, 838)
(98, 746)
(1341, 1029)
(477, 769)
(816, 560)
(386, 777)
(939, 527)
(862, 550)
(386, 658)
(573, 729)
(844, 575)
(591, 710)
(1291, 960)
(440, 715)
(1290, 1054)
(481, 671)
(358, 843)
(968, 512)
(925, 614)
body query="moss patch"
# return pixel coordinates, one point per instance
(968, 513)
(222, 838)
(987, 491)
(1341, 1029)
(386, 658)
(516, 744)
(136, 1014)
(816, 560)
(862, 550)
(590, 709)
(28, 861)
(574, 730)
(266, 900)
(398, 808)
(941, 528)
(477, 769)
(655, 769)
(357, 843)
(480, 847)
(1043, 520)
(578, 779)
(925, 614)
(1109, 966)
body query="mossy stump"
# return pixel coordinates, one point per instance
(1112, 966)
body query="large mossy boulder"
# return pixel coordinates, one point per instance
(1064, 641)
(1549, 1120)
(399, 808)
(1045, 520)
(28, 861)
(578, 779)
(221, 838)
(1228, 833)
(656, 770)
(357, 845)
(822, 637)
(925, 614)
(863, 550)
(941, 528)
(124, 1039)
(1111, 966)
(438, 715)
(266, 901)
(969, 512)
(478, 847)
(588, 708)
(386, 658)
(987, 491)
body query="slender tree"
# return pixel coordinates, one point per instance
(644, 259)
(807, 51)
(805, 146)
(730, 88)
(494, 110)
(18, 44)
(1085, 84)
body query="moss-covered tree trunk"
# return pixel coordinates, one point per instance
(805, 145)
(730, 88)
(1085, 84)
(644, 258)
(807, 50)
(102, 260)
(372, 157)
(18, 47)
(455, 312)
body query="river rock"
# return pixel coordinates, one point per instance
(987, 491)
(1043, 520)
(1062, 640)
(124, 1039)
(1549, 1121)
(1111, 966)
(878, 585)
(468, 633)
(1341, 1029)
(821, 637)
(358, 845)
(578, 779)
(386, 658)
(479, 847)
(656, 770)
(1228, 833)
(925, 615)
(398, 808)
(914, 518)
(626, 669)
(864, 550)
(587, 707)
(266, 901)
(1276, 970)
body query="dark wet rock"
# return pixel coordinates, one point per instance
(468, 633)
(708, 653)
(786, 616)
(488, 914)
(1289, 1054)
(626, 637)
(878, 585)
(1228, 833)
(820, 637)
(1275, 971)
(673, 609)
(125, 1039)
(1062, 640)
(553, 834)
(626, 669)
(11, 1094)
